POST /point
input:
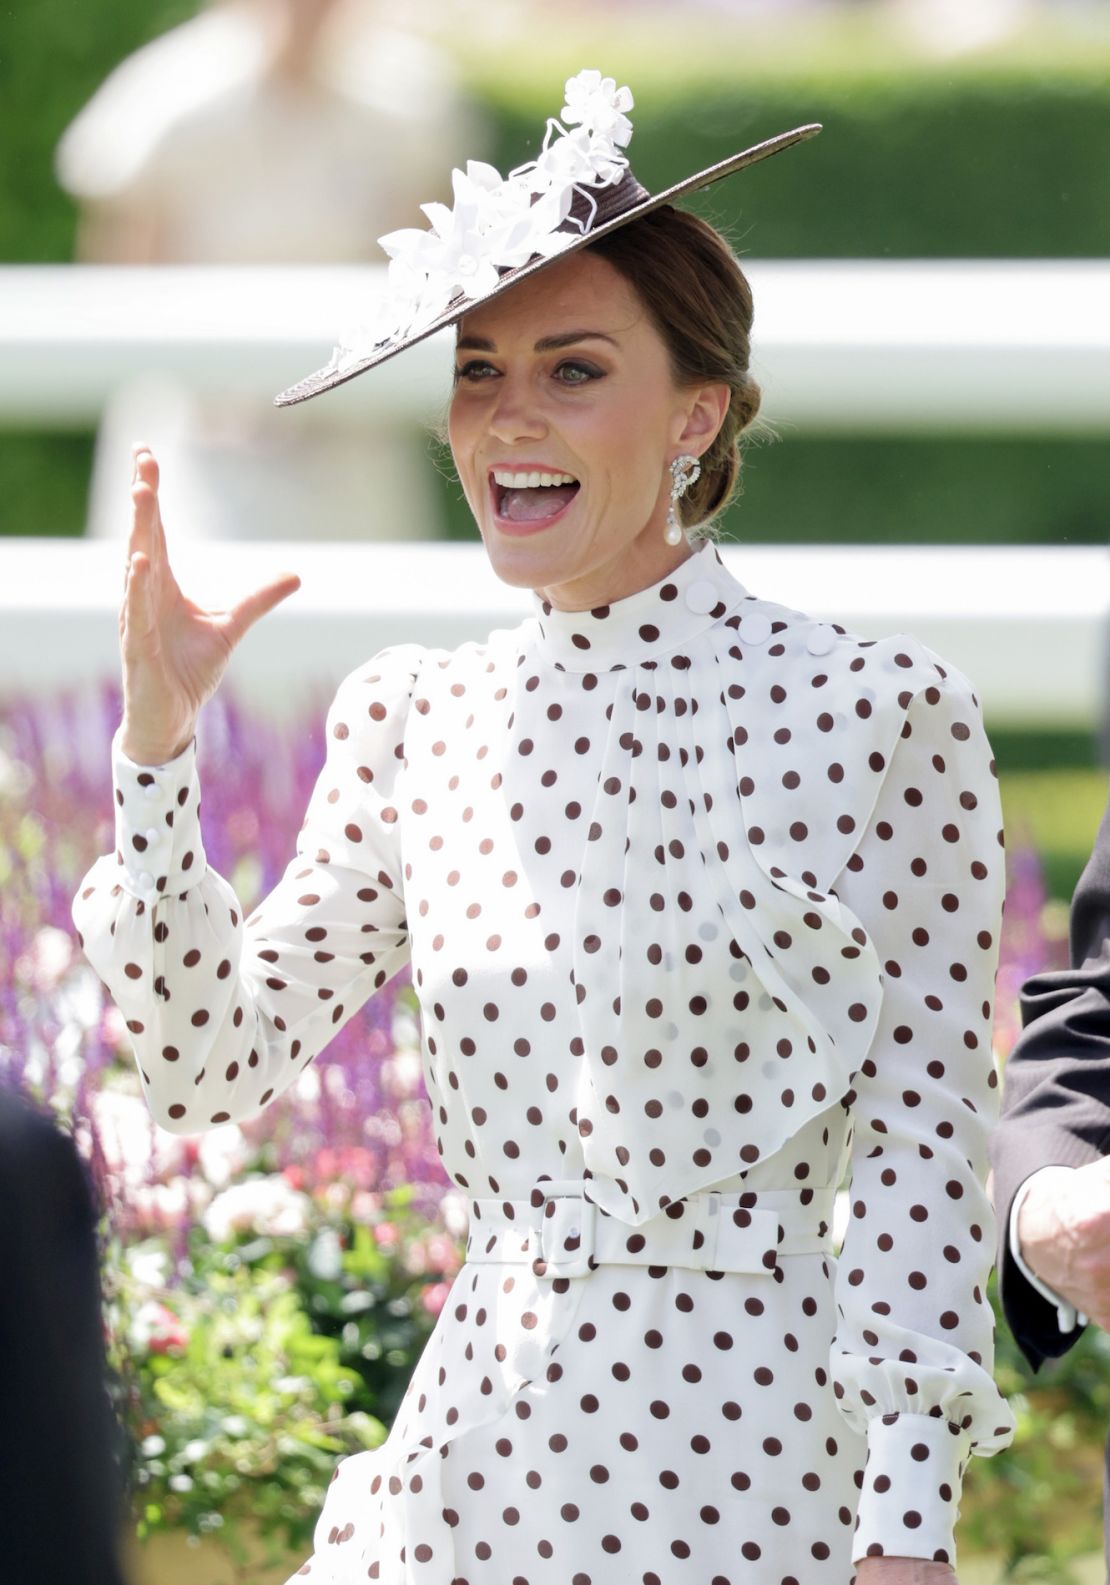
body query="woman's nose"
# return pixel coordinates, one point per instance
(516, 414)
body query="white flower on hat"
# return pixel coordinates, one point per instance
(498, 223)
(595, 102)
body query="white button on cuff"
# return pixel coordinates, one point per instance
(701, 597)
(152, 790)
(153, 837)
(821, 639)
(755, 627)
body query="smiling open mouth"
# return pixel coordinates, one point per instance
(531, 497)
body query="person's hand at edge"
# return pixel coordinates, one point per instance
(903, 1571)
(1064, 1231)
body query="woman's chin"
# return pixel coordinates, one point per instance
(525, 560)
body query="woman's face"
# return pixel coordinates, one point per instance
(563, 423)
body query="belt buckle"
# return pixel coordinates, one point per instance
(566, 1235)
(747, 1240)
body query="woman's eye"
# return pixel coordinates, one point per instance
(574, 373)
(475, 370)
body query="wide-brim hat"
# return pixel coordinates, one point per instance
(591, 192)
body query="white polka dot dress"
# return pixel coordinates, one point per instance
(702, 902)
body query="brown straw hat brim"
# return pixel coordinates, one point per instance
(326, 379)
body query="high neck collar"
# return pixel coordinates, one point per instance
(644, 625)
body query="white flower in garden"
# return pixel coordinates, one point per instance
(150, 1266)
(325, 1256)
(113, 1027)
(223, 1154)
(292, 1385)
(47, 960)
(152, 1446)
(181, 1483)
(137, 1152)
(195, 1450)
(155, 1329)
(161, 1207)
(454, 1208)
(365, 1207)
(403, 1074)
(268, 1205)
(596, 103)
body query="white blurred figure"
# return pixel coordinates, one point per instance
(263, 132)
(956, 27)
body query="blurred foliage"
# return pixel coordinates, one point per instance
(1056, 812)
(970, 162)
(242, 1374)
(53, 56)
(989, 155)
(1037, 1506)
(915, 490)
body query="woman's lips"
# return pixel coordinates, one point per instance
(522, 504)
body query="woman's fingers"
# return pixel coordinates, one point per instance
(244, 615)
(147, 533)
(144, 502)
(138, 618)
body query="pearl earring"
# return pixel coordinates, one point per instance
(685, 471)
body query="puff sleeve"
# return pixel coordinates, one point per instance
(224, 1014)
(912, 1356)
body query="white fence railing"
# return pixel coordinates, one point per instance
(852, 347)
(1028, 626)
(840, 346)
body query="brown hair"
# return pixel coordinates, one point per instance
(691, 284)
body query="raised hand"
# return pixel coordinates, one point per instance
(174, 653)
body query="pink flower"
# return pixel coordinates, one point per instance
(442, 1254)
(434, 1297)
(387, 1235)
(158, 1330)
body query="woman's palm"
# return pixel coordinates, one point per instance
(174, 652)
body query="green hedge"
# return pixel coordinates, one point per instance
(1004, 156)
(966, 166)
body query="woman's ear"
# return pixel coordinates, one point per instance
(701, 417)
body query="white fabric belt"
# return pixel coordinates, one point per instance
(560, 1232)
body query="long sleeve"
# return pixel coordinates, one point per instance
(224, 1014)
(1056, 1092)
(912, 1356)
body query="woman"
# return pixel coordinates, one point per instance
(701, 898)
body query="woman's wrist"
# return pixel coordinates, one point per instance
(142, 750)
(903, 1571)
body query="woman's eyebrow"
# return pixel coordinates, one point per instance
(569, 337)
(566, 338)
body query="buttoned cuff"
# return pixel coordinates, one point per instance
(911, 1488)
(158, 837)
(1067, 1316)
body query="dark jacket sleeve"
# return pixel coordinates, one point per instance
(59, 1476)
(1056, 1094)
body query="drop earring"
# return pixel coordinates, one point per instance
(685, 471)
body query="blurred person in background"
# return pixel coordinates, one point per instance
(262, 132)
(60, 1511)
(1051, 1150)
